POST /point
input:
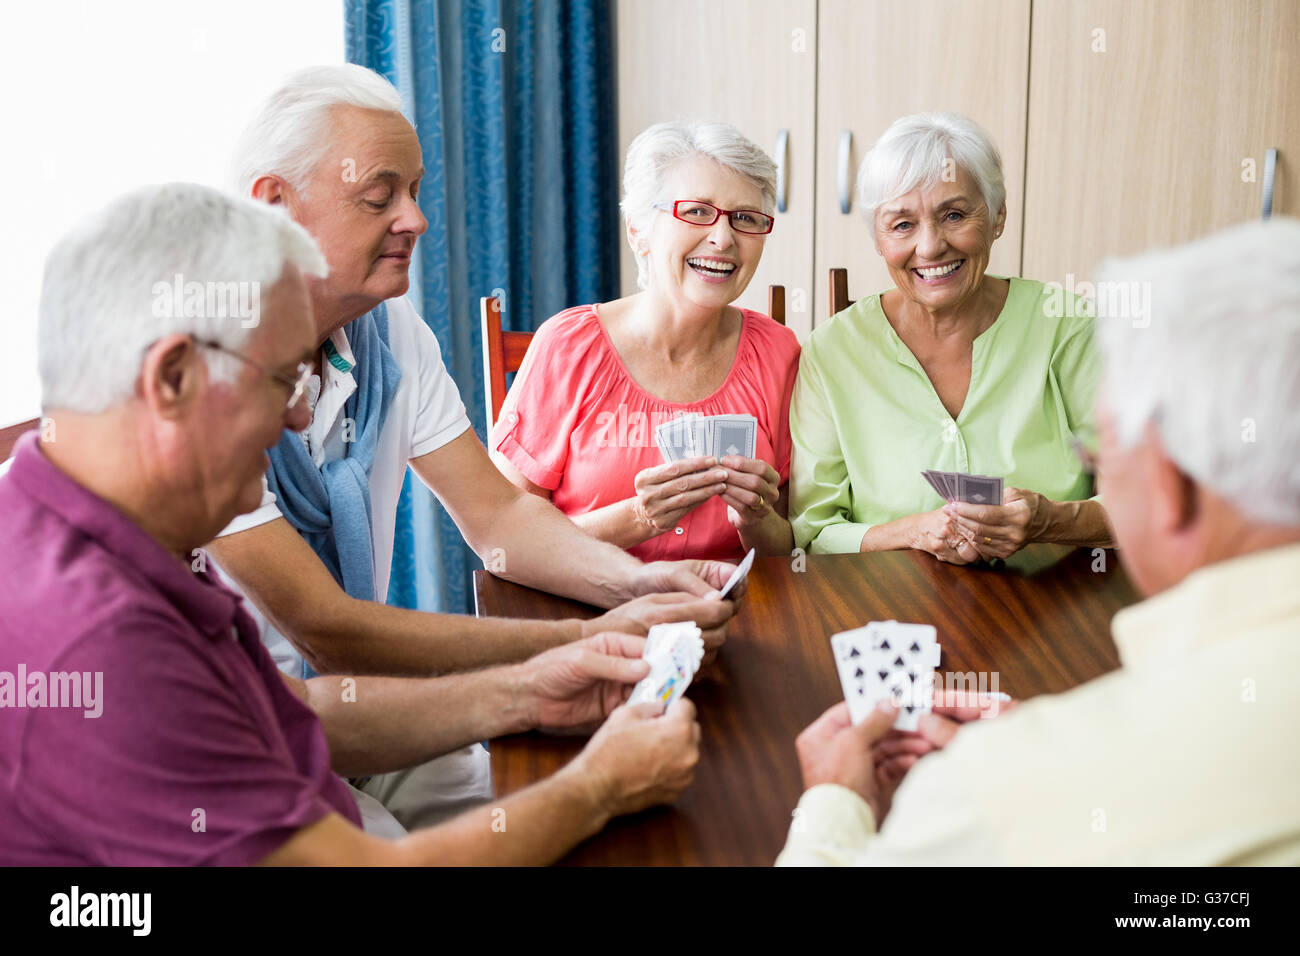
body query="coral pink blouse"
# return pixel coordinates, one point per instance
(578, 425)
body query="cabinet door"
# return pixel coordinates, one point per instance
(1149, 123)
(750, 63)
(885, 59)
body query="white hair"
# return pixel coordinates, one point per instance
(1216, 365)
(661, 146)
(917, 150)
(109, 284)
(290, 133)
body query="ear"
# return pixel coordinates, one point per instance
(1174, 496)
(1000, 222)
(639, 245)
(170, 376)
(270, 189)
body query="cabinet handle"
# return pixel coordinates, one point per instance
(782, 159)
(846, 145)
(1270, 170)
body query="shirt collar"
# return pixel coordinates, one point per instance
(1213, 604)
(197, 595)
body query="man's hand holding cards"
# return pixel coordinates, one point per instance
(887, 660)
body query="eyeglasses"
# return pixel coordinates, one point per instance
(699, 213)
(297, 386)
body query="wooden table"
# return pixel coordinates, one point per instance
(1042, 625)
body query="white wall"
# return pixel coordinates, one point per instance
(97, 97)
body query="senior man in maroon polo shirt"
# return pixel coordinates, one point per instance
(150, 725)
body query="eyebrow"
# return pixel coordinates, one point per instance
(387, 174)
(890, 211)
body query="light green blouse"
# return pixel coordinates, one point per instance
(866, 421)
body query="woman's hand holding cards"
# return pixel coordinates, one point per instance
(753, 488)
(667, 493)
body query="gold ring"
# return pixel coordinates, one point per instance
(987, 540)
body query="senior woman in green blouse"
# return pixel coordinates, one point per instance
(952, 369)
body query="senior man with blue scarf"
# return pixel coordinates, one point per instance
(332, 147)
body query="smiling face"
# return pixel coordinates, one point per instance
(705, 266)
(360, 207)
(936, 242)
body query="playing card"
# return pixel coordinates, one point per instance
(699, 436)
(674, 652)
(932, 477)
(738, 575)
(734, 435)
(887, 659)
(979, 489)
(674, 438)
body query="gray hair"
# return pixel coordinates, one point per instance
(1215, 370)
(662, 145)
(127, 275)
(916, 150)
(289, 134)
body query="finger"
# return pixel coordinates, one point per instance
(685, 466)
(688, 500)
(876, 724)
(681, 710)
(620, 670)
(636, 712)
(983, 514)
(902, 744)
(938, 730)
(620, 643)
(664, 490)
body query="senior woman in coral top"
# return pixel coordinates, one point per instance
(953, 369)
(578, 423)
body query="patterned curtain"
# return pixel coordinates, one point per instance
(513, 101)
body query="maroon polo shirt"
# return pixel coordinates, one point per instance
(199, 753)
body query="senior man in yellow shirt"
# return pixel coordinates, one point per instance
(1185, 755)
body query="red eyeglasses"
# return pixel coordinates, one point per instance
(699, 213)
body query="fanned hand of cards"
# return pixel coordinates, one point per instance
(886, 659)
(674, 652)
(959, 486)
(696, 436)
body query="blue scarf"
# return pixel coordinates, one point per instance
(330, 505)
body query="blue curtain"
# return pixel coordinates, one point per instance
(514, 106)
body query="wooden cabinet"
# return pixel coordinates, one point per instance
(1122, 124)
(1149, 124)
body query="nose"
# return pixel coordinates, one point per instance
(412, 218)
(930, 243)
(721, 235)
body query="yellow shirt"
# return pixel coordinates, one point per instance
(1186, 755)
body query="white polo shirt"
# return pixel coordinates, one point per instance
(426, 413)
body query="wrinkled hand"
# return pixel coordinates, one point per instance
(939, 534)
(832, 750)
(1008, 527)
(639, 759)
(581, 683)
(640, 614)
(753, 488)
(667, 493)
(701, 578)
